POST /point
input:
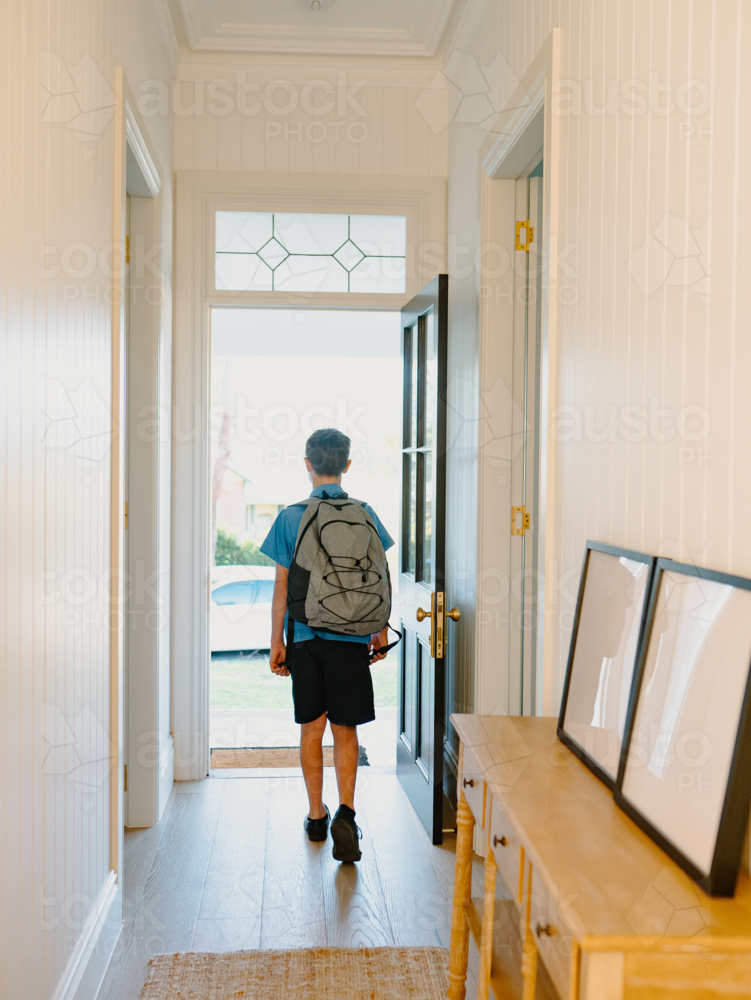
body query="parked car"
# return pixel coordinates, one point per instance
(240, 616)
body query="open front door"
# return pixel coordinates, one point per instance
(422, 600)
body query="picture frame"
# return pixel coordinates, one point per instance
(685, 771)
(608, 629)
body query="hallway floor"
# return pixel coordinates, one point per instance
(229, 868)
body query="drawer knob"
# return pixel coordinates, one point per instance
(469, 781)
(545, 929)
(499, 840)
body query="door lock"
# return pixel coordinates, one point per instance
(438, 616)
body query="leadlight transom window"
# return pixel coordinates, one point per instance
(277, 251)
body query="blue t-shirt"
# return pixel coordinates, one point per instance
(279, 545)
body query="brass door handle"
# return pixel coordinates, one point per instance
(545, 929)
(469, 781)
(454, 614)
(422, 615)
(499, 840)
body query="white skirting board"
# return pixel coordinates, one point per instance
(85, 970)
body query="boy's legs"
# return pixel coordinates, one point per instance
(346, 754)
(311, 759)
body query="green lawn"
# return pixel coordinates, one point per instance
(247, 682)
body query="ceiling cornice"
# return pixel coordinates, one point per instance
(169, 37)
(383, 74)
(302, 39)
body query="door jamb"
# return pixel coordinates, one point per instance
(502, 161)
(423, 201)
(129, 136)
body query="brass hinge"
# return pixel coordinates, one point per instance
(125, 777)
(529, 234)
(520, 521)
(127, 248)
(126, 515)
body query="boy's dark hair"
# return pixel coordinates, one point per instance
(328, 451)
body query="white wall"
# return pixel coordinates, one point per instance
(255, 115)
(56, 217)
(627, 335)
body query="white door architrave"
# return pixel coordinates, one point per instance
(134, 163)
(525, 126)
(198, 196)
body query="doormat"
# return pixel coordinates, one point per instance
(272, 757)
(304, 973)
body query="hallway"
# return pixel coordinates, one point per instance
(229, 868)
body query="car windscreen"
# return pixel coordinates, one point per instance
(239, 592)
(265, 592)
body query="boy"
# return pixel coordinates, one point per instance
(331, 678)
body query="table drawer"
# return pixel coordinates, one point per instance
(555, 941)
(473, 785)
(505, 846)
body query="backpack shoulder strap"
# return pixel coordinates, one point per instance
(302, 503)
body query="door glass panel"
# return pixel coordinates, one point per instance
(431, 373)
(409, 685)
(426, 568)
(414, 390)
(310, 253)
(424, 702)
(412, 524)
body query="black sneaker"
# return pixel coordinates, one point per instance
(318, 829)
(346, 834)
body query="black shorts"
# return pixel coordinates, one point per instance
(332, 676)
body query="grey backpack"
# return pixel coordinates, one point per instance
(339, 578)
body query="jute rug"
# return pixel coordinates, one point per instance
(272, 757)
(302, 974)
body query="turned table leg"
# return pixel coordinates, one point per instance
(459, 948)
(529, 947)
(488, 919)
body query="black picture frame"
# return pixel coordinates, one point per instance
(721, 876)
(563, 735)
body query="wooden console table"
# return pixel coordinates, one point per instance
(596, 910)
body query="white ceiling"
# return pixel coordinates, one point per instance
(343, 27)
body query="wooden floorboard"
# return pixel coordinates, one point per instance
(230, 868)
(233, 889)
(165, 919)
(354, 901)
(418, 906)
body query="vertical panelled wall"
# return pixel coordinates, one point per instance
(56, 211)
(289, 114)
(650, 427)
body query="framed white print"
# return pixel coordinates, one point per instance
(685, 774)
(608, 627)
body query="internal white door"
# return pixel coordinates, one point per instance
(526, 579)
